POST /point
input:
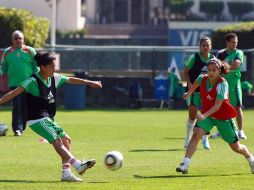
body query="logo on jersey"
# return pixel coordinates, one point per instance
(203, 70)
(209, 97)
(51, 98)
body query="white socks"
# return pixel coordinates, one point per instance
(251, 158)
(66, 169)
(189, 128)
(186, 161)
(205, 138)
(74, 162)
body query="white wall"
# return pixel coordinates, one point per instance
(91, 11)
(69, 15)
(68, 11)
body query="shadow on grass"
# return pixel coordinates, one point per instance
(187, 176)
(38, 181)
(158, 150)
(97, 182)
(174, 138)
(112, 109)
(27, 181)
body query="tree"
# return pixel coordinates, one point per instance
(35, 29)
(237, 9)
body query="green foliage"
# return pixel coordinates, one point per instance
(71, 33)
(244, 30)
(151, 142)
(35, 29)
(179, 6)
(211, 7)
(240, 8)
(241, 27)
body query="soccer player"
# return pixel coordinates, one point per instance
(234, 57)
(196, 64)
(216, 111)
(40, 91)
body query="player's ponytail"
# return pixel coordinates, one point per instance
(225, 68)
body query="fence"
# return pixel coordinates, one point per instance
(117, 60)
(122, 66)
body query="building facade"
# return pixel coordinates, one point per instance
(68, 12)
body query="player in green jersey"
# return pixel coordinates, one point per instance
(40, 91)
(196, 65)
(234, 57)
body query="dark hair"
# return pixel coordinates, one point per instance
(44, 58)
(230, 36)
(224, 67)
(204, 38)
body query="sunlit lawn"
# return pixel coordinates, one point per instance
(150, 140)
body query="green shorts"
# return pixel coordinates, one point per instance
(226, 128)
(48, 129)
(235, 95)
(194, 99)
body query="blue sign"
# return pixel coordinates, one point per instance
(185, 37)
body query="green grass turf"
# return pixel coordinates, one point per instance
(150, 140)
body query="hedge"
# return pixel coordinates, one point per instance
(35, 29)
(237, 9)
(211, 8)
(244, 30)
(180, 6)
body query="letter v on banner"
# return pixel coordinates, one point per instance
(173, 66)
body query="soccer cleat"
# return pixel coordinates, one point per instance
(206, 144)
(215, 135)
(241, 135)
(71, 178)
(251, 163)
(18, 133)
(85, 165)
(182, 168)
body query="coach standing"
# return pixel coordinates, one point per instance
(18, 64)
(234, 57)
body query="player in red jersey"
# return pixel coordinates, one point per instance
(216, 111)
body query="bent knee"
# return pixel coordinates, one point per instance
(57, 143)
(237, 147)
(198, 132)
(66, 139)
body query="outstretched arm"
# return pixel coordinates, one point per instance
(94, 84)
(191, 90)
(10, 95)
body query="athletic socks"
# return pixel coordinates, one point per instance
(186, 161)
(251, 158)
(66, 171)
(189, 128)
(205, 137)
(74, 162)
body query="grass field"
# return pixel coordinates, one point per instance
(150, 140)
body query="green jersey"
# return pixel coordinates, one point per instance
(31, 87)
(234, 75)
(18, 64)
(173, 84)
(191, 61)
(45, 127)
